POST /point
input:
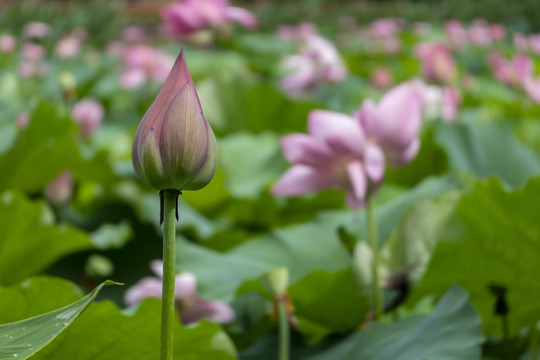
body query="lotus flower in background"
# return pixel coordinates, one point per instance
(33, 52)
(351, 152)
(301, 31)
(188, 16)
(58, 192)
(512, 72)
(191, 308)
(534, 43)
(36, 30)
(174, 147)
(441, 102)
(532, 88)
(8, 43)
(392, 126)
(456, 33)
(142, 64)
(382, 77)
(318, 62)
(437, 62)
(521, 42)
(88, 113)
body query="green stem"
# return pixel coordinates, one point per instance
(168, 315)
(374, 242)
(283, 330)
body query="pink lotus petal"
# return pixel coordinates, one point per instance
(353, 202)
(304, 149)
(408, 154)
(340, 132)
(88, 113)
(532, 88)
(157, 267)
(185, 286)
(145, 288)
(374, 162)
(357, 179)
(133, 78)
(450, 104)
(241, 17)
(212, 310)
(302, 179)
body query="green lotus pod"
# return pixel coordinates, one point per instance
(174, 147)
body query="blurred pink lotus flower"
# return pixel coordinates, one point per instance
(36, 30)
(133, 78)
(457, 33)
(301, 31)
(133, 34)
(351, 152)
(8, 43)
(534, 43)
(88, 113)
(381, 28)
(532, 88)
(497, 32)
(512, 72)
(441, 103)
(480, 33)
(58, 192)
(318, 62)
(31, 51)
(188, 16)
(145, 59)
(68, 47)
(115, 48)
(22, 120)
(382, 77)
(437, 62)
(191, 308)
(394, 124)
(521, 42)
(32, 69)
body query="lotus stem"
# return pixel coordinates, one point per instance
(377, 301)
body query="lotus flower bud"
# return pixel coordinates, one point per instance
(174, 147)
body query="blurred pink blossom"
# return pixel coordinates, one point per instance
(480, 33)
(88, 113)
(394, 123)
(133, 34)
(318, 62)
(382, 77)
(22, 120)
(191, 308)
(133, 78)
(497, 32)
(8, 43)
(68, 47)
(31, 51)
(457, 33)
(532, 88)
(141, 58)
(58, 192)
(521, 42)
(382, 28)
(512, 72)
(534, 43)
(187, 16)
(351, 152)
(301, 31)
(32, 69)
(451, 99)
(36, 30)
(437, 62)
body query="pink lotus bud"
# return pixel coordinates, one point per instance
(451, 99)
(59, 191)
(88, 113)
(437, 62)
(7, 43)
(174, 147)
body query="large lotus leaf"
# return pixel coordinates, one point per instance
(328, 302)
(451, 331)
(105, 333)
(43, 150)
(301, 248)
(488, 150)
(23, 338)
(29, 241)
(492, 240)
